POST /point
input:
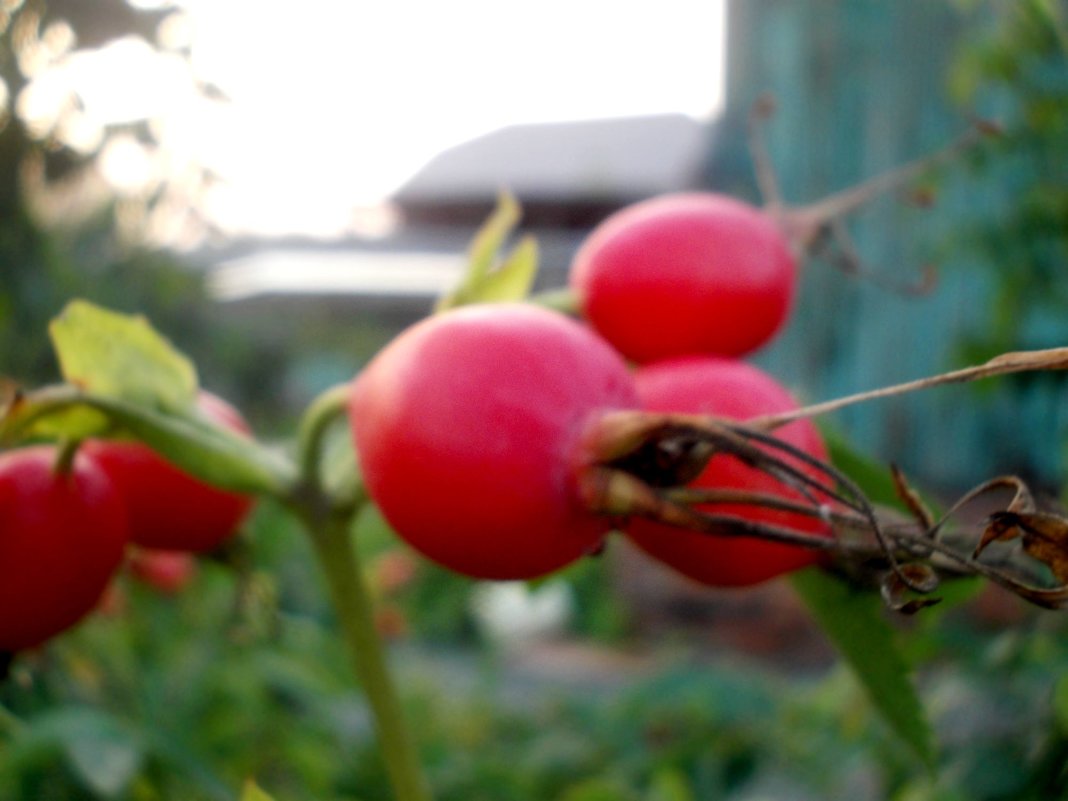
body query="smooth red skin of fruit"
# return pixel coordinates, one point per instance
(169, 572)
(167, 508)
(735, 390)
(62, 538)
(470, 432)
(685, 274)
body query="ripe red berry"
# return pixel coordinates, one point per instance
(735, 390)
(685, 274)
(470, 432)
(168, 508)
(62, 536)
(166, 571)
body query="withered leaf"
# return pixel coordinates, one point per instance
(1044, 536)
(899, 588)
(912, 500)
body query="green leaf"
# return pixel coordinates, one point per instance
(104, 753)
(669, 784)
(514, 278)
(121, 356)
(252, 792)
(489, 279)
(855, 622)
(872, 477)
(490, 237)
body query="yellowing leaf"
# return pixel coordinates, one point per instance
(121, 356)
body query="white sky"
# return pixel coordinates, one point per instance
(335, 103)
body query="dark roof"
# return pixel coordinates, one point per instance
(586, 167)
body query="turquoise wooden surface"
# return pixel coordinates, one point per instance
(860, 87)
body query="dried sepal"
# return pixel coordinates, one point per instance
(911, 499)
(901, 597)
(1043, 536)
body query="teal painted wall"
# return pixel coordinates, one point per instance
(861, 87)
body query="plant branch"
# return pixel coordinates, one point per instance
(766, 178)
(323, 411)
(1018, 362)
(841, 204)
(352, 602)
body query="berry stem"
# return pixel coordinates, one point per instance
(326, 409)
(352, 603)
(328, 520)
(66, 450)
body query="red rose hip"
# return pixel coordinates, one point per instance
(62, 537)
(736, 390)
(685, 274)
(470, 432)
(169, 509)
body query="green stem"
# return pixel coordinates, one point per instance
(66, 451)
(323, 411)
(352, 602)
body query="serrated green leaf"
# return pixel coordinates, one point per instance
(489, 279)
(121, 356)
(252, 792)
(854, 622)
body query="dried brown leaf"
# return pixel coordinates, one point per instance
(912, 500)
(1043, 536)
(899, 588)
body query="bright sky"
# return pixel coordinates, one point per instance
(336, 103)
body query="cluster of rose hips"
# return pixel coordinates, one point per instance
(479, 430)
(70, 521)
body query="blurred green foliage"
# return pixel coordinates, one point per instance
(242, 675)
(1014, 71)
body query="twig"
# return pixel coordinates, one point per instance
(1019, 362)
